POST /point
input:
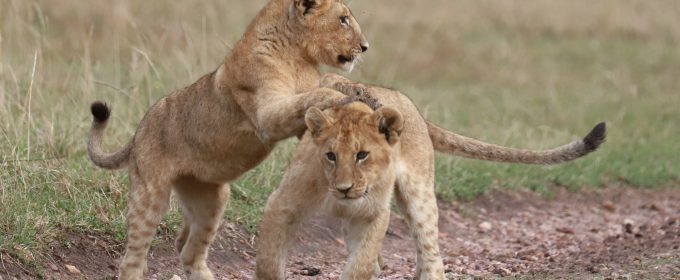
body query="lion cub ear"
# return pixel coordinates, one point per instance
(390, 123)
(316, 120)
(305, 6)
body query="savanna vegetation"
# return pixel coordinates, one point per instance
(530, 74)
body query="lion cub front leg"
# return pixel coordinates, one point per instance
(364, 241)
(331, 79)
(354, 91)
(286, 208)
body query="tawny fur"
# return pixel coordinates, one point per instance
(356, 189)
(311, 183)
(200, 138)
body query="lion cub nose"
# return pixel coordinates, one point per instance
(344, 189)
(364, 47)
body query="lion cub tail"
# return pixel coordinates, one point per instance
(455, 144)
(116, 160)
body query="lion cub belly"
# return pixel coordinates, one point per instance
(210, 143)
(231, 156)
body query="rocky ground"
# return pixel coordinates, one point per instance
(610, 233)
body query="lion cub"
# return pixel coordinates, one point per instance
(347, 164)
(353, 159)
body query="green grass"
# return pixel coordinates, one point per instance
(480, 68)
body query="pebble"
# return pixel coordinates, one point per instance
(609, 206)
(310, 271)
(565, 230)
(485, 226)
(72, 269)
(628, 225)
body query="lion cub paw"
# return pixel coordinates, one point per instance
(358, 92)
(364, 98)
(354, 91)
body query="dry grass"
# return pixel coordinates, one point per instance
(524, 73)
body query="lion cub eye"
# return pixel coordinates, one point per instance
(362, 155)
(344, 20)
(331, 156)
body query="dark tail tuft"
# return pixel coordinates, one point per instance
(595, 137)
(100, 111)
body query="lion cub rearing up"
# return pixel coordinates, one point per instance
(199, 138)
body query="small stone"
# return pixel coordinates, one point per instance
(310, 271)
(628, 225)
(175, 277)
(340, 241)
(72, 269)
(565, 230)
(609, 206)
(485, 226)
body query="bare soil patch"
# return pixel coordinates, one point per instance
(615, 232)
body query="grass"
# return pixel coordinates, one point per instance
(527, 74)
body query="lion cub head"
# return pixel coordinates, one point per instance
(356, 147)
(328, 32)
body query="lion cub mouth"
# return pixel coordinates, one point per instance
(346, 197)
(346, 59)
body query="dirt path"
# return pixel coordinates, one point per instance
(616, 232)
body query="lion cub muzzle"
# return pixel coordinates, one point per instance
(349, 192)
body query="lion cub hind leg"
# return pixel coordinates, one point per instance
(146, 207)
(364, 242)
(202, 209)
(417, 202)
(184, 232)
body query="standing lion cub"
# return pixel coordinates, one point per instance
(352, 160)
(198, 139)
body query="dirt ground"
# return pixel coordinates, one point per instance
(610, 233)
